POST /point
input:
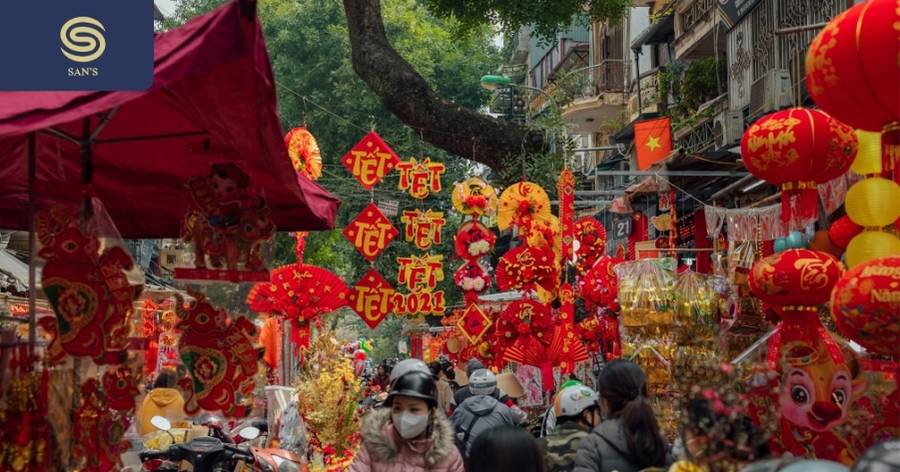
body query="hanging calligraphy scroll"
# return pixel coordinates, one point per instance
(370, 160)
(566, 189)
(370, 232)
(423, 228)
(420, 179)
(371, 297)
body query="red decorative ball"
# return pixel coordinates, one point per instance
(842, 231)
(797, 277)
(865, 305)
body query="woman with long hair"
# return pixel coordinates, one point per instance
(505, 449)
(628, 438)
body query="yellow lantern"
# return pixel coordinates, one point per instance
(868, 153)
(873, 202)
(870, 245)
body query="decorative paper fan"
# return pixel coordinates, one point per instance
(474, 196)
(544, 235)
(599, 286)
(304, 152)
(299, 291)
(564, 350)
(526, 268)
(523, 201)
(474, 240)
(591, 237)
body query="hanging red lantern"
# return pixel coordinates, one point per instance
(796, 149)
(842, 231)
(796, 281)
(865, 303)
(852, 73)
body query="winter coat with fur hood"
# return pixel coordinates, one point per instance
(383, 450)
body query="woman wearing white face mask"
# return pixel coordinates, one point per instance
(409, 434)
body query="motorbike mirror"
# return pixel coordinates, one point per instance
(249, 433)
(161, 423)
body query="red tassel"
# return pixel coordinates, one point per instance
(549, 383)
(809, 203)
(785, 205)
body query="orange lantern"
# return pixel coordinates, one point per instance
(796, 282)
(865, 305)
(852, 73)
(796, 149)
(304, 152)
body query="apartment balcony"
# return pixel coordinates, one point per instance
(650, 102)
(599, 95)
(696, 34)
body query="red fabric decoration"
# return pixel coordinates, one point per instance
(796, 149)
(120, 386)
(299, 291)
(851, 73)
(640, 231)
(865, 304)
(842, 231)
(220, 358)
(98, 432)
(522, 318)
(474, 240)
(566, 190)
(796, 281)
(472, 278)
(88, 289)
(591, 236)
(270, 339)
(527, 268)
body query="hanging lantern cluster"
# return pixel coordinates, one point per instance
(796, 149)
(474, 198)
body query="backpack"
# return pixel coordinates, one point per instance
(462, 438)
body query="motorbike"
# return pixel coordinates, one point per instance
(219, 452)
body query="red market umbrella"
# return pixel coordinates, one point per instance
(212, 101)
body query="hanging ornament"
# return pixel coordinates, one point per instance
(370, 232)
(220, 358)
(565, 187)
(120, 387)
(795, 282)
(600, 286)
(371, 297)
(842, 231)
(420, 275)
(474, 197)
(474, 240)
(865, 303)
(227, 226)
(474, 324)
(796, 149)
(472, 278)
(591, 237)
(304, 152)
(544, 236)
(872, 204)
(299, 292)
(521, 202)
(420, 179)
(87, 288)
(526, 268)
(847, 74)
(370, 160)
(98, 432)
(423, 228)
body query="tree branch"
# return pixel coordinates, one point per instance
(409, 97)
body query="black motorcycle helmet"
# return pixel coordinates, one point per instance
(415, 384)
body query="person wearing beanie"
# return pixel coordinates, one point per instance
(481, 411)
(411, 434)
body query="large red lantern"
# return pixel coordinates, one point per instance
(796, 149)
(796, 282)
(865, 305)
(852, 72)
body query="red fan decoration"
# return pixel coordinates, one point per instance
(528, 318)
(600, 286)
(473, 278)
(474, 240)
(591, 237)
(527, 268)
(299, 291)
(564, 350)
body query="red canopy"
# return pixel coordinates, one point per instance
(212, 101)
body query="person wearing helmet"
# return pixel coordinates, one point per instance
(481, 411)
(408, 365)
(577, 411)
(411, 434)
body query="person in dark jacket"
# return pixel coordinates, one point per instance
(505, 449)
(576, 410)
(480, 412)
(628, 438)
(465, 392)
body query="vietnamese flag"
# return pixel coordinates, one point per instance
(653, 141)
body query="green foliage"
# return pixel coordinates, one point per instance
(689, 87)
(699, 83)
(547, 18)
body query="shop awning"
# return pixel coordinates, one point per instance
(212, 101)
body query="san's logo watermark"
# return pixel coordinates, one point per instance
(77, 45)
(82, 39)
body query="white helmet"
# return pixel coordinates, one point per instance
(408, 365)
(482, 382)
(571, 401)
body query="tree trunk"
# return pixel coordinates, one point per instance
(457, 130)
